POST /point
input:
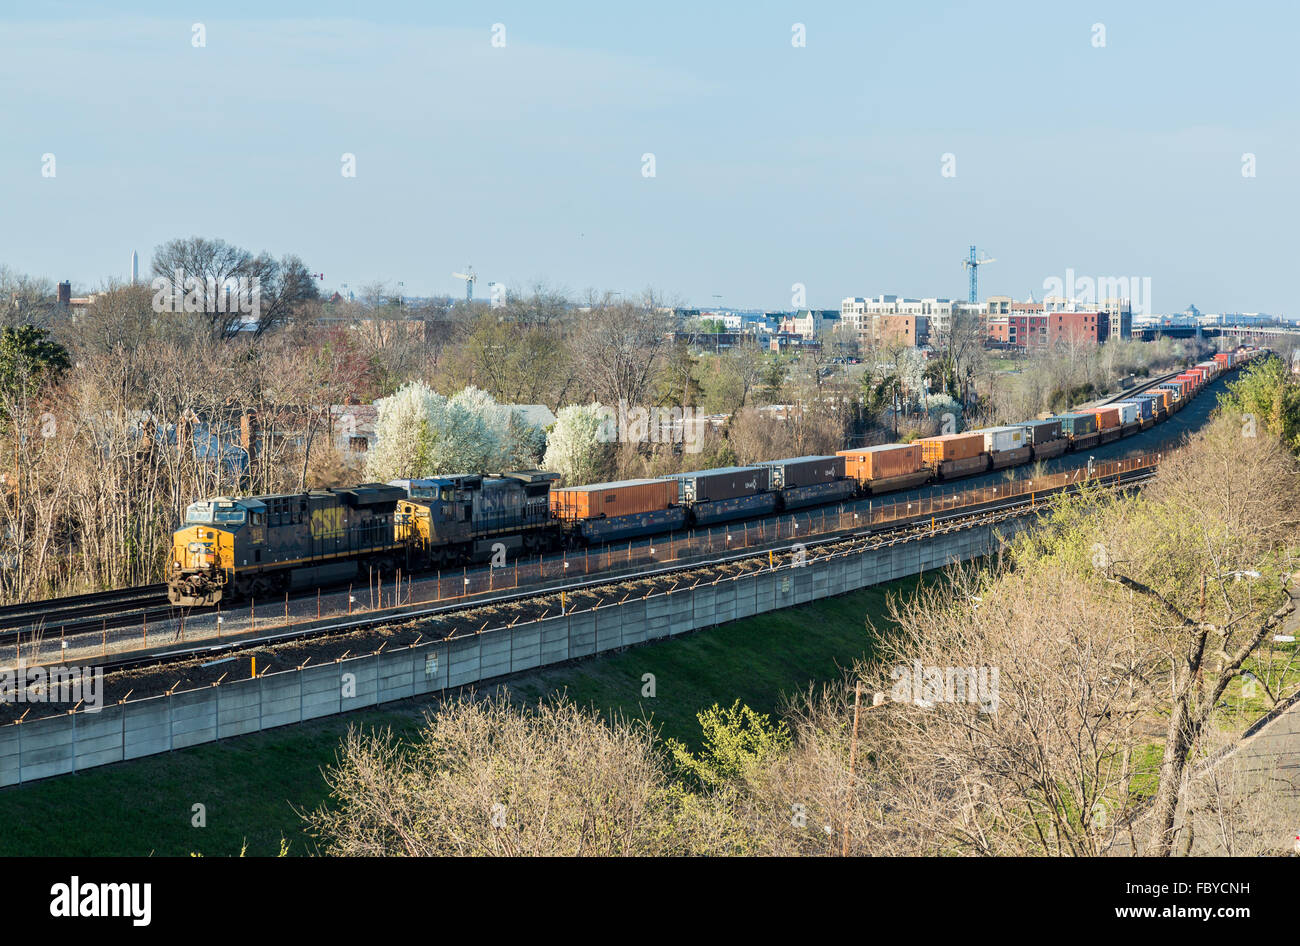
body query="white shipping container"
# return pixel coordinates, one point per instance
(1127, 412)
(999, 439)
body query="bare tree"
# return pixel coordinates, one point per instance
(620, 346)
(487, 778)
(227, 277)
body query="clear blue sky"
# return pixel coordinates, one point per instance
(774, 164)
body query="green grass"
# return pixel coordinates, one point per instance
(251, 785)
(755, 660)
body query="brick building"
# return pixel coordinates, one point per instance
(1040, 331)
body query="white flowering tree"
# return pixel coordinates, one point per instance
(579, 447)
(525, 442)
(404, 434)
(943, 410)
(911, 372)
(421, 433)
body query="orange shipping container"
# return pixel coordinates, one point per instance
(625, 498)
(1107, 417)
(936, 450)
(882, 462)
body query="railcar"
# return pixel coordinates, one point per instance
(809, 481)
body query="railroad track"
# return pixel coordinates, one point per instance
(1124, 396)
(56, 612)
(834, 545)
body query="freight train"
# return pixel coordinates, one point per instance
(236, 548)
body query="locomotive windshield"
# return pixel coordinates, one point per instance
(205, 513)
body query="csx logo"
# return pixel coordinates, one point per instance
(326, 523)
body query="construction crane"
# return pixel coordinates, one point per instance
(973, 263)
(469, 278)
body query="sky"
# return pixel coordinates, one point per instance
(775, 164)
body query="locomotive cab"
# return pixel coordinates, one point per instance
(203, 552)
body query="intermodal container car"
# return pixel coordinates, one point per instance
(1142, 405)
(886, 466)
(621, 528)
(729, 482)
(625, 498)
(1161, 395)
(735, 507)
(999, 439)
(954, 454)
(949, 447)
(804, 471)
(1077, 425)
(883, 461)
(1038, 432)
(815, 494)
(1045, 438)
(1157, 399)
(1006, 446)
(1107, 417)
(1128, 412)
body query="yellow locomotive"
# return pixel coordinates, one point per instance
(240, 548)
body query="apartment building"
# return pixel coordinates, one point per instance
(1037, 331)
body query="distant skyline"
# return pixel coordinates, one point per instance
(774, 164)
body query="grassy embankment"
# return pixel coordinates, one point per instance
(250, 786)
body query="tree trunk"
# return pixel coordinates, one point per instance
(1165, 810)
